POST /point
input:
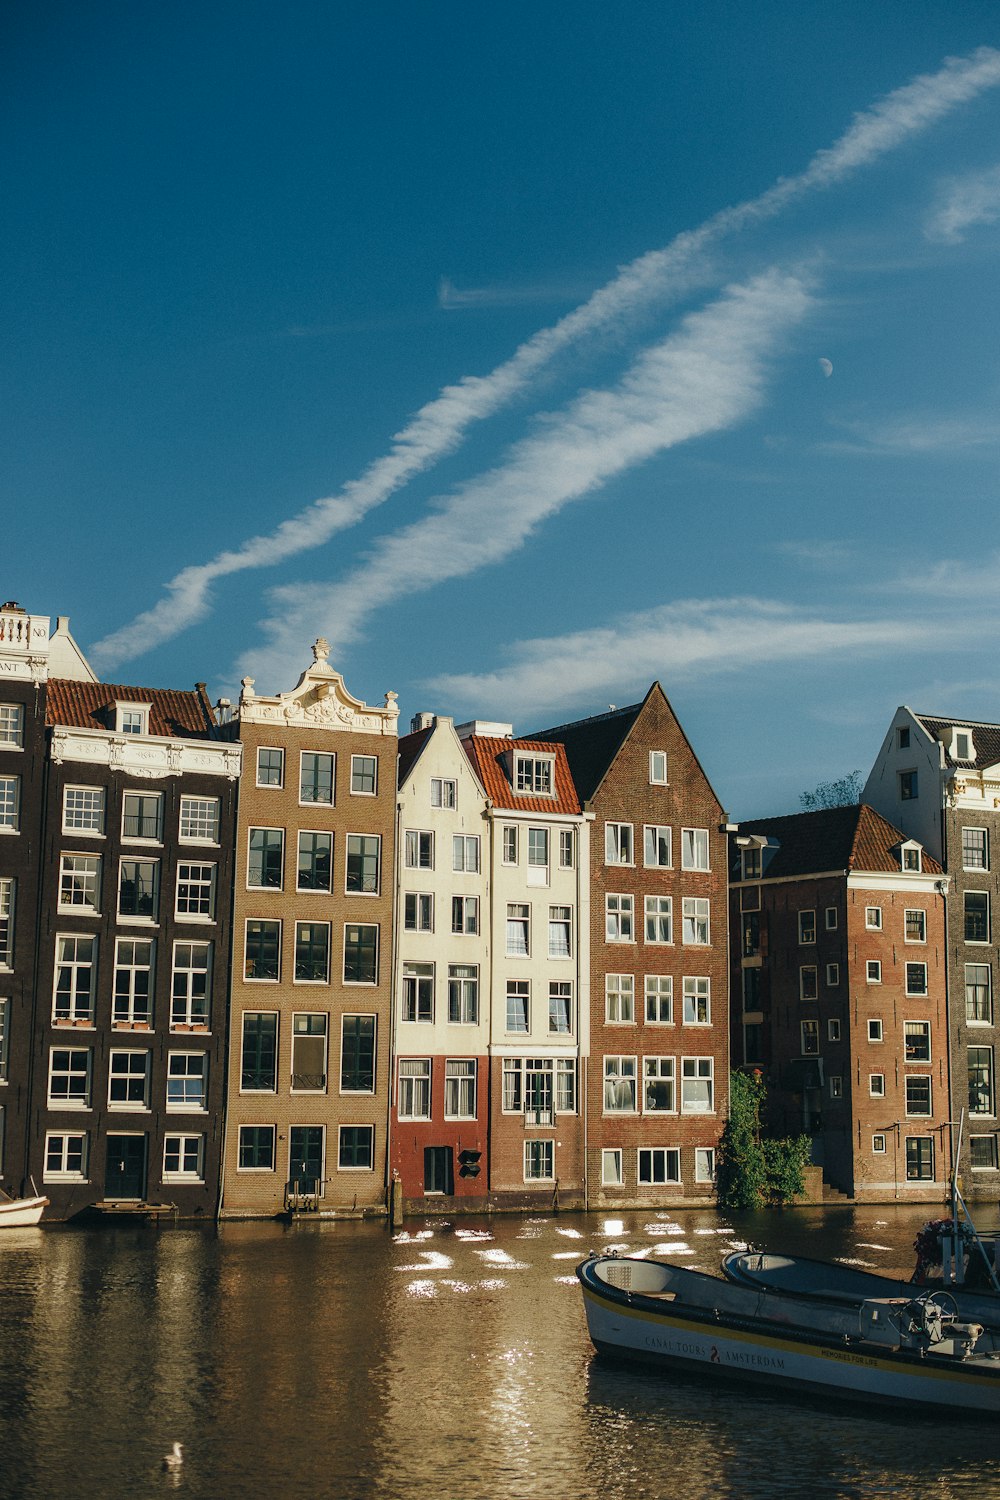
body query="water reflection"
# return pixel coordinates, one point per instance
(445, 1361)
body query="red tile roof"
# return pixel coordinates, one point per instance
(835, 838)
(492, 760)
(91, 705)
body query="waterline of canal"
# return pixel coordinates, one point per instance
(444, 1360)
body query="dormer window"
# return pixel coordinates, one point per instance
(533, 774)
(961, 745)
(751, 862)
(132, 718)
(910, 857)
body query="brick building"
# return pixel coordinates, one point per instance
(839, 995)
(659, 1033)
(310, 1018)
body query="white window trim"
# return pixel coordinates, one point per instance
(270, 786)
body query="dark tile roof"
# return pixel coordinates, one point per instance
(592, 744)
(835, 838)
(91, 705)
(985, 739)
(410, 746)
(490, 759)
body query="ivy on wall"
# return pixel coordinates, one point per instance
(753, 1172)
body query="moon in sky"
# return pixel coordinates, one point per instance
(826, 366)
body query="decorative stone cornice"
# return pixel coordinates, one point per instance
(24, 646)
(319, 700)
(149, 757)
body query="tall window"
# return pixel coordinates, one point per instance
(83, 809)
(315, 862)
(444, 793)
(266, 858)
(697, 1085)
(262, 950)
(418, 911)
(312, 952)
(364, 775)
(4, 1038)
(659, 912)
(659, 999)
(920, 1156)
(191, 991)
(364, 853)
(465, 915)
(6, 922)
(980, 1080)
(619, 998)
(418, 992)
(560, 927)
(619, 919)
(187, 1081)
(915, 925)
(658, 1085)
(357, 1055)
(809, 1038)
(11, 726)
(69, 1077)
(539, 1161)
(697, 1000)
(195, 892)
(696, 920)
(975, 849)
(316, 777)
(133, 998)
(656, 846)
(10, 803)
(510, 844)
(916, 979)
(463, 994)
(560, 1008)
(918, 1094)
(538, 856)
(76, 964)
(518, 1002)
(658, 767)
(977, 916)
(465, 853)
(270, 767)
(619, 1085)
(460, 1088)
(566, 849)
(807, 926)
(518, 929)
(978, 994)
(79, 882)
(419, 850)
(200, 820)
(259, 1055)
(414, 1088)
(361, 953)
(917, 1040)
(694, 848)
(309, 1053)
(142, 815)
(618, 846)
(138, 888)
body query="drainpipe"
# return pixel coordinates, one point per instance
(393, 996)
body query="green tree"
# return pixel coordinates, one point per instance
(753, 1171)
(841, 793)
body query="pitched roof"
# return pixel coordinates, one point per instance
(492, 760)
(835, 838)
(91, 705)
(410, 746)
(985, 739)
(592, 744)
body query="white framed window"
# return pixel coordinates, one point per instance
(465, 915)
(356, 1148)
(611, 1167)
(11, 726)
(911, 857)
(833, 1029)
(191, 985)
(832, 975)
(4, 1042)
(619, 848)
(132, 1005)
(619, 918)
(418, 845)
(831, 918)
(560, 1008)
(79, 882)
(659, 1086)
(195, 892)
(983, 1153)
(463, 994)
(199, 822)
(518, 1019)
(314, 865)
(183, 1158)
(980, 1061)
(188, 1080)
(697, 1085)
(873, 971)
(917, 1041)
(659, 918)
(317, 777)
(978, 994)
(808, 982)
(138, 890)
(874, 1029)
(658, 768)
(566, 1085)
(975, 849)
(694, 848)
(83, 810)
(696, 928)
(265, 859)
(465, 853)
(619, 999)
(876, 1085)
(364, 775)
(538, 856)
(916, 979)
(518, 929)
(7, 895)
(560, 932)
(915, 925)
(620, 1085)
(460, 1088)
(414, 1095)
(65, 1156)
(418, 993)
(873, 918)
(697, 998)
(312, 953)
(534, 775)
(10, 804)
(704, 1163)
(142, 817)
(809, 1038)
(658, 1165)
(918, 1093)
(878, 1143)
(363, 875)
(75, 976)
(357, 1054)
(659, 992)
(418, 911)
(256, 1148)
(128, 1080)
(539, 1161)
(656, 846)
(977, 916)
(807, 927)
(361, 941)
(444, 793)
(310, 1030)
(270, 766)
(510, 844)
(567, 849)
(69, 1077)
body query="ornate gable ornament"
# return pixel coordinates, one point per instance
(319, 700)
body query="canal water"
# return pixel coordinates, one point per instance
(445, 1362)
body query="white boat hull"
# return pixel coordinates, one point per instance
(21, 1213)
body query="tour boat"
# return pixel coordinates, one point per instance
(906, 1351)
(20, 1213)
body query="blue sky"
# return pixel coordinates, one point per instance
(526, 352)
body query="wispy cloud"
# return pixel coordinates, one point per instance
(705, 377)
(917, 435)
(438, 428)
(821, 555)
(679, 641)
(452, 298)
(965, 201)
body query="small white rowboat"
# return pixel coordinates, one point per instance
(21, 1213)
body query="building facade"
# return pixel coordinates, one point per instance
(310, 1016)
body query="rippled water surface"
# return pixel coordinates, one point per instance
(444, 1361)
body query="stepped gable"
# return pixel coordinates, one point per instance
(410, 746)
(492, 760)
(592, 744)
(173, 713)
(985, 739)
(834, 838)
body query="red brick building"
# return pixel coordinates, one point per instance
(839, 995)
